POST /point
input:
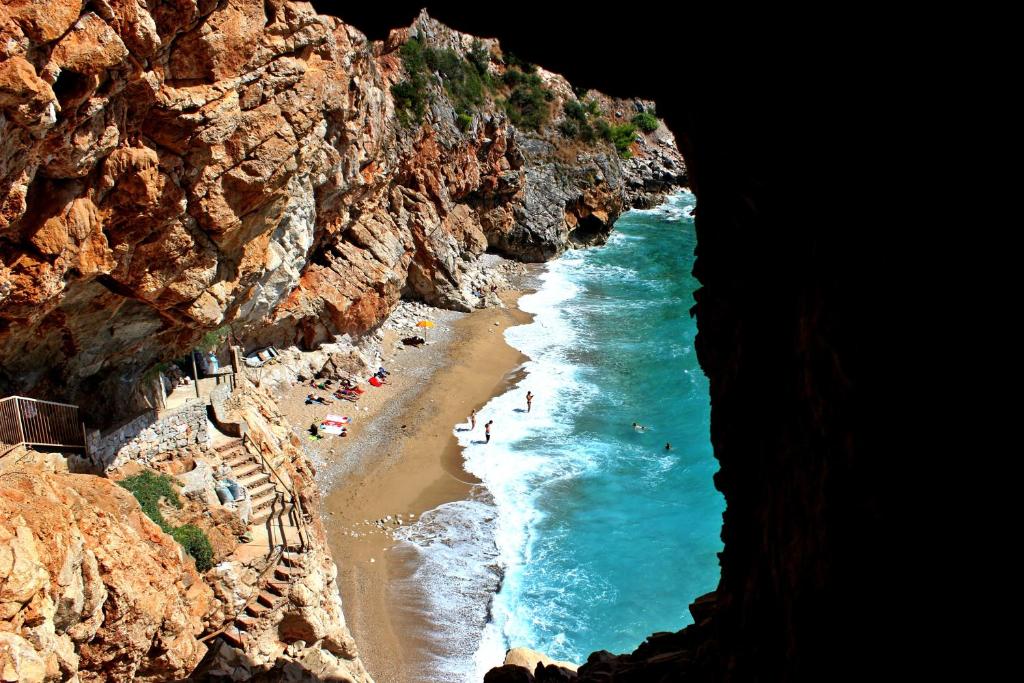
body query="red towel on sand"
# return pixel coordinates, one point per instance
(374, 381)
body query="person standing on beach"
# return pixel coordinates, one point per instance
(487, 431)
(472, 419)
(529, 400)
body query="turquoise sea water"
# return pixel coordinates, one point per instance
(594, 535)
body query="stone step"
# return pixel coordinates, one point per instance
(291, 559)
(244, 468)
(269, 599)
(245, 621)
(264, 501)
(239, 458)
(278, 588)
(286, 573)
(260, 516)
(254, 480)
(257, 609)
(228, 445)
(234, 636)
(261, 489)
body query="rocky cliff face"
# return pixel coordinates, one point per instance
(89, 586)
(91, 589)
(167, 169)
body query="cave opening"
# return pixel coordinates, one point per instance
(589, 230)
(70, 87)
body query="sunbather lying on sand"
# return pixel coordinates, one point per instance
(310, 398)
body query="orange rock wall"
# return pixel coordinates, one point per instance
(168, 168)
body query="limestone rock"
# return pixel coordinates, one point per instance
(91, 585)
(509, 673)
(529, 659)
(170, 168)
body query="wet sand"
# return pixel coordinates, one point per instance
(402, 459)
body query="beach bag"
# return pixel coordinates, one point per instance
(224, 493)
(375, 381)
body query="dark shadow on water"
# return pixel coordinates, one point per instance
(518, 410)
(478, 442)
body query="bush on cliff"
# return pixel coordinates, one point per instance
(622, 136)
(645, 121)
(577, 124)
(196, 543)
(410, 101)
(465, 80)
(148, 488)
(527, 101)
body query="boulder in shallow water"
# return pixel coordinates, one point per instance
(510, 673)
(529, 659)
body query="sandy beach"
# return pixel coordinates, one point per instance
(401, 460)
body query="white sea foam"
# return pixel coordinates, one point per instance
(466, 549)
(469, 549)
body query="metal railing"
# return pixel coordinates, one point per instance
(31, 422)
(296, 503)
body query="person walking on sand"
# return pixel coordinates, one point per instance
(472, 419)
(529, 400)
(487, 431)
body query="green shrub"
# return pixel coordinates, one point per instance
(479, 57)
(604, 131)
(622, 137)
(574, 110)
(514, 62)
(196, 543)
(465, 80)
(577, 124)
(463, 120)
(526, 104)
(148, 488)
(569, 128)
(645, 121)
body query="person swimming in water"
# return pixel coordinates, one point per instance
(529, 400)
(668, 446)
(639, 427)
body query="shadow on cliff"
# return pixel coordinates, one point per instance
(767, 116)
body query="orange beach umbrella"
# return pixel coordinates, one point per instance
(424, 324)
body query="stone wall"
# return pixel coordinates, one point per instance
(221, 414)
(149, 435)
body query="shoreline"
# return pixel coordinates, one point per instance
(400, 461)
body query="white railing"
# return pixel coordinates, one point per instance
(31, 422)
